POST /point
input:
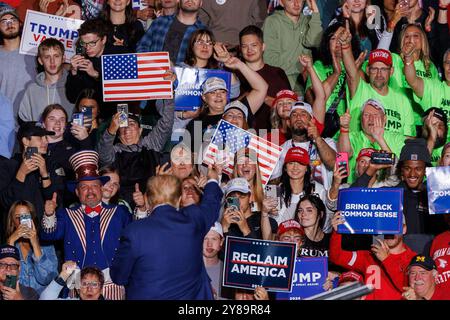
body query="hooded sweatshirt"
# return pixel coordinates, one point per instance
(286, 40)
(39, 95)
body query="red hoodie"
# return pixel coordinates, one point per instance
(387, 277)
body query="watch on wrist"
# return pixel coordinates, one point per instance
(45, 178)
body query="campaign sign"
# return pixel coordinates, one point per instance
(371, 210)
(438, 186)
(39, 26)
(188, 93)
(308, 280)
(253, 262)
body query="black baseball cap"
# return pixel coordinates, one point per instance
(425, 262)
(7, 251)
(438, 113)
(32, 129)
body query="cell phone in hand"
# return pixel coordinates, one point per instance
(377, 237)
(78, 118)
(273, 191)
(233, 202)
(87, 116)
(25, 218)
(30, 151)
(81, 51)
(382, 158)
(122, 109)
(342, 161)
(10, 281)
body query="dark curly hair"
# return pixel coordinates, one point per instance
(97, 26)
(317, 203)
(324, 48)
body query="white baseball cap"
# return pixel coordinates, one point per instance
(237, 105)
(217, 227)
(237, 184)
(374, 103)
(303, 106)
(213, 84)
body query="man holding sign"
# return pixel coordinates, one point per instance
(16, 70)
(384, 266)
(414, 158)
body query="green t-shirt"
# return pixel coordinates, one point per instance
(323, 72)
(398, 78)
(398, 81)
(359, 140)
(436, 155)
(397, 107)
(435, 94)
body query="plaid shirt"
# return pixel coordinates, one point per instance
(153, 39)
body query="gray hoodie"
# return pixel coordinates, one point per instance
(39, 95)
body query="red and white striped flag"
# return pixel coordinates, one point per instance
(229, 139)
(136, 76)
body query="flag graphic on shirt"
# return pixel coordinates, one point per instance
(229, 139)
(136, 76)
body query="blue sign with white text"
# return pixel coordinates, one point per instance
(188, 92)
(308, 280)
(371, 210)
(253, 262)
(438, 186)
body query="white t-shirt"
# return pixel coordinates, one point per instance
(319, 171)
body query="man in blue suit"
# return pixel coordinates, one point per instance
(160, 257)
(91, 231)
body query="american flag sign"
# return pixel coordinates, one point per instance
(136, 76)
(229, 139)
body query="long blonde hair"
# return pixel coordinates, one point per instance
(425, 52)
(256, 184)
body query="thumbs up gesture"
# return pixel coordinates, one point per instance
(138, 197)
(50, 205)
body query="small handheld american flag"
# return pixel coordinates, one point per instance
(136, 76)
(229, 139)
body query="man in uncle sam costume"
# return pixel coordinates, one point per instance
(91, 230)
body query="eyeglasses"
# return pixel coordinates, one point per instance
(89, 44)
(374, 70)
(5, 22)
(91, 284)
(204, 43)
(10, 267)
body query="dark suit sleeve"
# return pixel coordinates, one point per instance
(123, 262)
(208, 211)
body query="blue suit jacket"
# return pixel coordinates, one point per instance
(89, 241)
(160, 257)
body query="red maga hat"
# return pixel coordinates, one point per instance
(297, 154)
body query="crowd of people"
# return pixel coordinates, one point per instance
(102, 210)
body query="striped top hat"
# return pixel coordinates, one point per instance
(85, 165)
